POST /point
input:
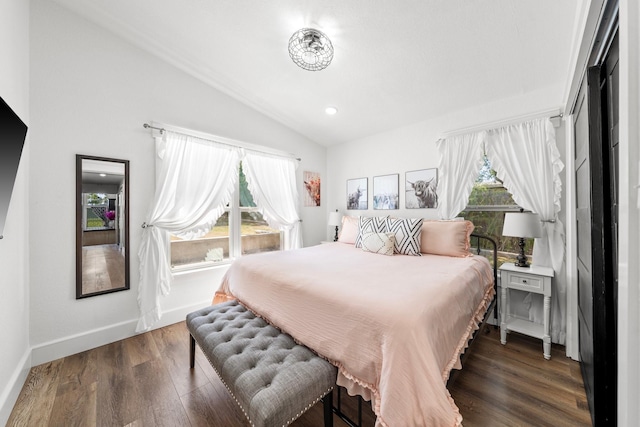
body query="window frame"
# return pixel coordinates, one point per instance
(235, 236)
(496, 184)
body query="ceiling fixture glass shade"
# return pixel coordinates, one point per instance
(310, 49)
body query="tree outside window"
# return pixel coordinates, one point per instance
(488, 203)
(241, 230)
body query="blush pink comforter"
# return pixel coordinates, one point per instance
(393, 325)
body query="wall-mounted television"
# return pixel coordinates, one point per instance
(12, 134)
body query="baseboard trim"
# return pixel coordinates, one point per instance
(73, 344)
(14, 387)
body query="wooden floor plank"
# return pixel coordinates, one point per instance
(76, 391)
(140, 349)
(171, 343)
(117, 397)
(35, 403)
(161, 403)
(205, 408)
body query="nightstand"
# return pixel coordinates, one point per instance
(533, 279)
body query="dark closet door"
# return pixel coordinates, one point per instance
(583, 228)
(597, 200)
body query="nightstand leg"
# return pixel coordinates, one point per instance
(546, 339)
(503, 315)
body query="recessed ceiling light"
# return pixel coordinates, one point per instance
(331, 110)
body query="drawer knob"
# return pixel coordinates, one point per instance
(524, 280)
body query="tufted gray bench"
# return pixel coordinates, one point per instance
(273, 379)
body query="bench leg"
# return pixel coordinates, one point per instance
(192, 351)
(327, 403)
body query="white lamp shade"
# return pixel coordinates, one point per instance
(335, 219)
(522, 224)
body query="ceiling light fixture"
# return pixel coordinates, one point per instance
(331, 110)
(310, 49)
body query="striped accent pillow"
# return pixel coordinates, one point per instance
(374, 224)
(379, 243)
(407, 232)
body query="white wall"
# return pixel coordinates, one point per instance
(14, 261)
(629, 217)
(414, 147)
(91, 93)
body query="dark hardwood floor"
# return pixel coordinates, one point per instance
(146, 381)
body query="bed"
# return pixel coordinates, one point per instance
(395, 326)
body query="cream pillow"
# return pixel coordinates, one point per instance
(450, 238)
(349, 229)
(378, 243)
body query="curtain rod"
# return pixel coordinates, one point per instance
(220, 140)
(552, 114)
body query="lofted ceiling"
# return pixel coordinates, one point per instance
(395, 63)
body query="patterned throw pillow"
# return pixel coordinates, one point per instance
(374, 224)
(407, 232)
(379, 243)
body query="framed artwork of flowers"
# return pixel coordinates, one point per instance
(312, 187)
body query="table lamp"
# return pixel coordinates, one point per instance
(522, 225)
(334, 220)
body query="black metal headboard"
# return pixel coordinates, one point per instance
(494, 247)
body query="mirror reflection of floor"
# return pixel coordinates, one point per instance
(102, 268)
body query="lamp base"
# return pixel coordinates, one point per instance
(524, 264)
(335, 238)
(522, 258)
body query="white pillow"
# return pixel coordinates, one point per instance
(407, 233)
(379, 243)
(373, 224)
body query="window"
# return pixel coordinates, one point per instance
(241, 230)
(98, 211)
(488, 202)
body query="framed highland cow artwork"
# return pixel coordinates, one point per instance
(420, 189)
(357, 195)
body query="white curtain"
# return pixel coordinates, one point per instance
(527, 160)
(194, 181)
(461, 158)
(272, 183)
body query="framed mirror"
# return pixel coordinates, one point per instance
(102, 225)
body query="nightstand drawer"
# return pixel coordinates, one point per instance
(526, 282)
